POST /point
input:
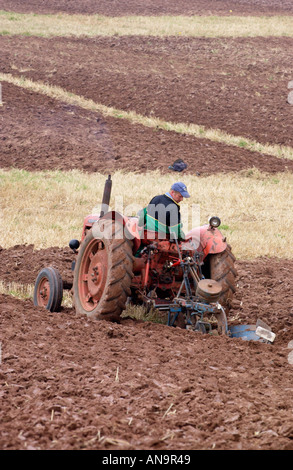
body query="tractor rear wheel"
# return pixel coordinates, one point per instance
(103, 272)
(222, 269)
(48, 291)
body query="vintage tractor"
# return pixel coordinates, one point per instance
(117, 262)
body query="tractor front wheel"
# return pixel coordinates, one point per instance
(103, 272)
(48, 291)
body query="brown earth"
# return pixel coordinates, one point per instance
(40, 133)
(152, 7)
(238, 85)
(68, 382)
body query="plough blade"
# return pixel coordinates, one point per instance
(245, 332)
(258, 332)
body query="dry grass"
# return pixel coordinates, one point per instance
(216, 135)
(15, 289)
(139, 312)
(48, 208)
(96, 25)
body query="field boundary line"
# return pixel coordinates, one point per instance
(195, 130)
(78, 25)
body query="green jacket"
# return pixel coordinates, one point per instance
(162, 215)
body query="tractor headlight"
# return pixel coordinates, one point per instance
(214, 221)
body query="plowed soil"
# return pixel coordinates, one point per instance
(68, 382)
(237, 85)
(40, 133)
(152, 7)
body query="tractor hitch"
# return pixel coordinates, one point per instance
(194, 312)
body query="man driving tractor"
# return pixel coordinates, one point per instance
(162, 215)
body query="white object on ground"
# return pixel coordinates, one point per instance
(265, 334)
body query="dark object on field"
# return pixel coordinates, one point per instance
(178, 165)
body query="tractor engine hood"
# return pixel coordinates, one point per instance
(207, 240)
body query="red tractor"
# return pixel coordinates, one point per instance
(192, 281)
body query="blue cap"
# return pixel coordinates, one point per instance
(181, 188)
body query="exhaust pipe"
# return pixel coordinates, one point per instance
(106, 196)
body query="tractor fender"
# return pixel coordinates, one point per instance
(130, 226)
(88, 222)
(207, 240)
